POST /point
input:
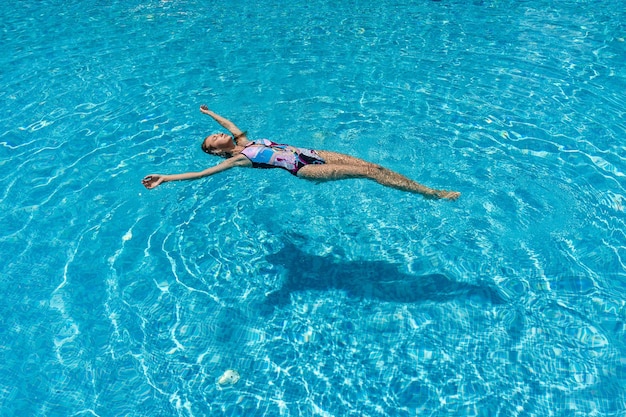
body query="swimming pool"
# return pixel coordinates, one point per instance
(330, 299)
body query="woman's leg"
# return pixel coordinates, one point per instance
(343, 159)
(383, 176)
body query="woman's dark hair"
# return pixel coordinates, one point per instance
(205, 149)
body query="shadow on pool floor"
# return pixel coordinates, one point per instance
(367, 279)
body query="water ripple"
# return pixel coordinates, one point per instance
(335, 298)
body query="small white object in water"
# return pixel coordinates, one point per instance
(229, 377)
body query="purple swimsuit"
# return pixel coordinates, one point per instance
(264, 153)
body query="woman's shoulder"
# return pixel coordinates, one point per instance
(241, 138)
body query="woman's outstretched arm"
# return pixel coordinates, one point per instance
(154, 180)
(240, 136)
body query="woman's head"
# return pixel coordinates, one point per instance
(219, 144)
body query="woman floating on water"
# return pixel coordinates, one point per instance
(301, 162)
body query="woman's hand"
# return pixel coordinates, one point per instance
(152, 181)
(204, 109)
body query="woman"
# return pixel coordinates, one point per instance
(303, 163)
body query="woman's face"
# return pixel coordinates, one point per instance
(217, 141)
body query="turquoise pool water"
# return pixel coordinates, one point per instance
(330, 299)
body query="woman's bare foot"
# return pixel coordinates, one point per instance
(439, 194)
(448, 195)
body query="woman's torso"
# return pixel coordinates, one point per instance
(264, 153)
